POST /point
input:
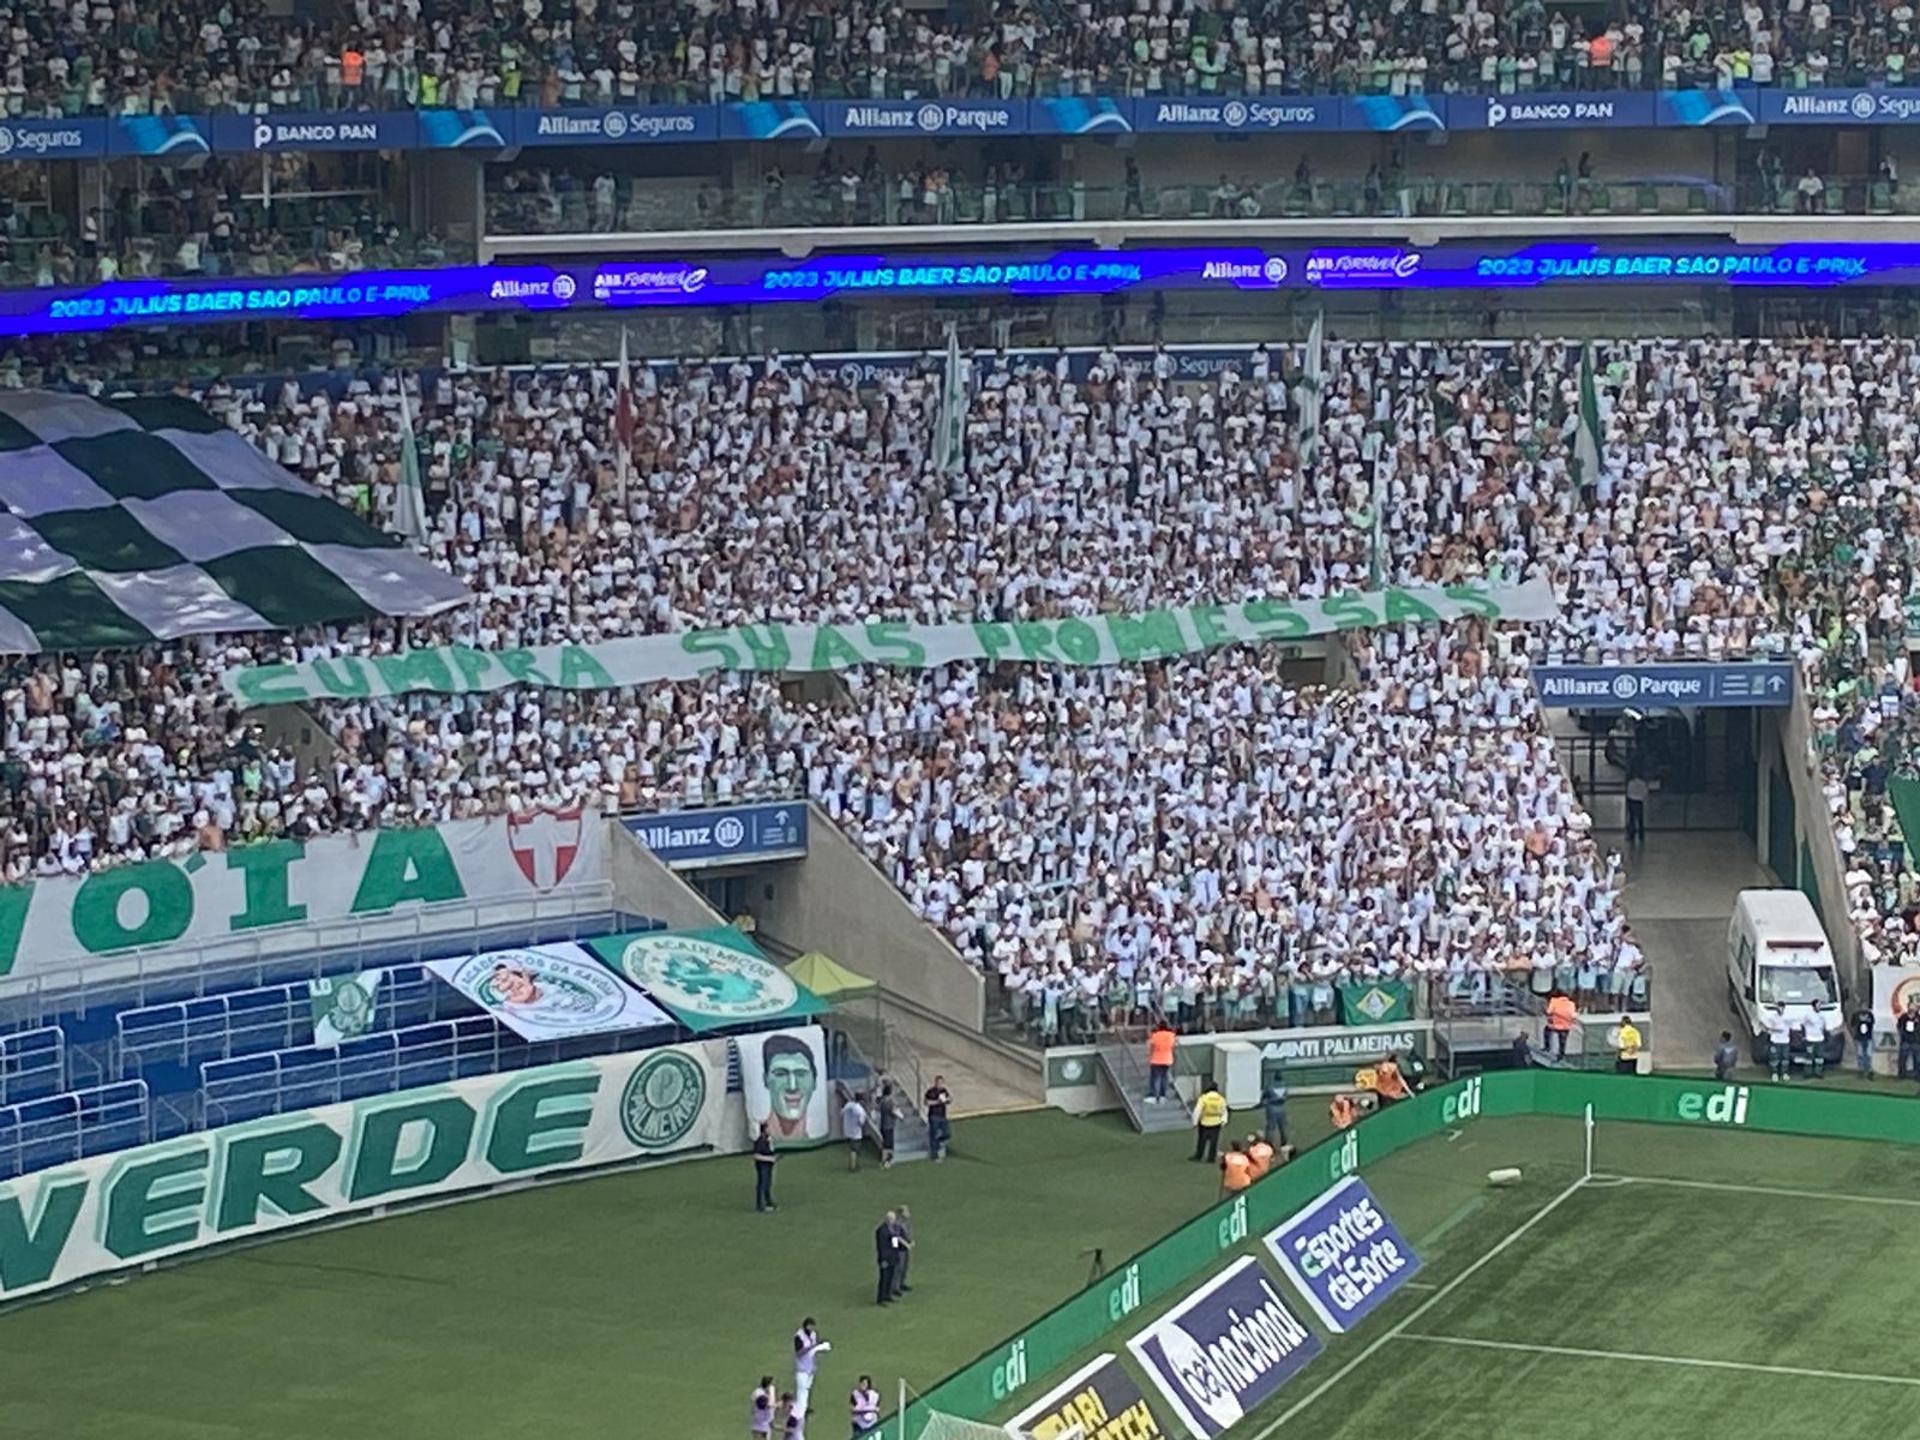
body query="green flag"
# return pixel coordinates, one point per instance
(1586, 435)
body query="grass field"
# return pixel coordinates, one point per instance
(645, 1305)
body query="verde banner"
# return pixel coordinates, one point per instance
(168, 1199)
(1376, 1002)
(708, 978)
(1078, 640)
(280, 896)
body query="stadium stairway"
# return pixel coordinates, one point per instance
(1127, 1073)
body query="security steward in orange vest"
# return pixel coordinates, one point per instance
(1261, 1154)
(1236, 1171)
(1388, 1083)
(1341, 1112)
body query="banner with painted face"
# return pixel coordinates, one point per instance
(783, 1074)
(548, 992)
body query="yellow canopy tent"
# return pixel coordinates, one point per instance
(827, 977)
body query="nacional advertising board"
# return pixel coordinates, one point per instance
(1225, 1349)
(1343, 1254)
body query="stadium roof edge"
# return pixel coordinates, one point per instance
(798, 242)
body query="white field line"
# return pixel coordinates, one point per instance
(1425, 1305)
(1736, 1189)
(1687, 1361)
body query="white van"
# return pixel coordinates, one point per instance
(1778, 959)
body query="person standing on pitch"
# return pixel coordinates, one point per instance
(886, 1249)
(853, 1129)
(903, 1220)
(807, 1348)
(1814, 1031)
(1907, 1031)
(1861, 1024)
(765, 1398)
(1209, 1115)
(1273, 1100)
(763, 1163)
(794, 1427)
(888, 1108)
(939, 1128)
(1779, 1044)
(864, 1406)
(1726, 1055)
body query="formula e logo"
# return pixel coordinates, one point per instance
(563, 287)
(1625, 687)
(1275, 269)
(728, 832)
(930, 118)
(1862, 105)
(1406, 264)
(615, 125)
(1234, 114)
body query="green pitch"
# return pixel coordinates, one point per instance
(646, 1305)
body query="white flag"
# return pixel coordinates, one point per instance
(623, 423)
(409, 501)
(1312, 383)
(950, 429)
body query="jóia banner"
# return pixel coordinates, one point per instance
(1078, 640)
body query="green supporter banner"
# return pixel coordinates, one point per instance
(1091, 640)
(709, 979)
(283, 896)
(1376, 1002)
(1014, 1369)
(199, 1191)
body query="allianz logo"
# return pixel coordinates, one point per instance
(727, 834)
(1235, 114)
(1859, 105)
(39, 142)
(1726, 1106)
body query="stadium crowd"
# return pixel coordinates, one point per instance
(247, 56)
(1199, 835)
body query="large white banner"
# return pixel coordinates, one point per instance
(274, 895)
(1894, 988)
(135, 1206)
(547, 992)
(783, 1074)
(1077, 640)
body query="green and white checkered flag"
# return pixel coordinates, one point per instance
(131, 521)
(1313, 381)
(950, 431)
(1586, 435)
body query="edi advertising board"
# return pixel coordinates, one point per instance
(1101, 1398)
(1343, 1254)
(1223, 1350)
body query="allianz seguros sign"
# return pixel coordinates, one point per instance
(54, 924)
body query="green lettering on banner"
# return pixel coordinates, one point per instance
(1035, 639)
(271, 685)
(769, 652)
(415, 670)
(712, 642)
(96, 906)
(1154, 635)
(447, 1122)
(832, 650)
(579, 670)
(15, 901)
(1210, 626)
(1275, 620)
(30, 1248)
(1400, 605)
(993, 640)
(254, 1172)
(892, 643)
(1078, 641)
(154, 1204)
(1473, 600)
(265, 865)
(523, 665)
(344, 678)
(533, 1127)
(405, 865)
(472, 664)
(1349, 611)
